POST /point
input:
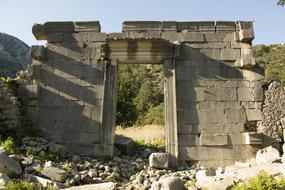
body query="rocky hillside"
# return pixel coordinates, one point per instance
(14, 55)
(272, 58)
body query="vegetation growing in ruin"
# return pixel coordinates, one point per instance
(261, 182)
(281, 2)
(9, 145)
(156, 144)
(23, 185)
(140, 95)
(272, 59)
(140, 87)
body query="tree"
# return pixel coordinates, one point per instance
(281, 2)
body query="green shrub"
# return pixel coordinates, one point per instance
(9, 145)
(261, 182)
(6, 80)
(155, 115)
(156, 144)
(20, 185)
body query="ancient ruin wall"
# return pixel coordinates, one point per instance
(218, 93)
(10, 113)
(66, 87)
(213, 92)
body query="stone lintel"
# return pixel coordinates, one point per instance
(142, 26)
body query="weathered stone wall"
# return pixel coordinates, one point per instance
(213, 92)
(218, 93)
(64, 97)
(273, 111)
(10, 115)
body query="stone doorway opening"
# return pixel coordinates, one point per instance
(140, 105)
(150, 52)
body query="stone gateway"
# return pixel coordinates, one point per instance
(212, 85)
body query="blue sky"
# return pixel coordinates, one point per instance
(18, 16)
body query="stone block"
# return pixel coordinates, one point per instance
(54, 37)
(158, 160)
(55, 173)
(252, 138)
(9, 166)
(124, 144)
(230, 54)
(210, 45)
(212, 153)
(32, 91)
(211, 116)
(245, 32)
(246, 59)
(225, 26)
(192, 37)
(241, 45)
(39, 32)
(267, 155)
(142, 26)
(253, 74)
(146, 34)
(219, 37)
(220, 94)
(245, 94)
(253, 115)
(235, 116)
(38, 52)
(245, 62)
(51, 27)
(211, 53)
(207, 26)
(213, 139)
(116, 35)
(258, 93)
(169, 26)
(188, 140)
(90, 26)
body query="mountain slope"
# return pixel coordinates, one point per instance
(272, 59)
(14, 55)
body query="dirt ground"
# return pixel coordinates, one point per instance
(146, 133)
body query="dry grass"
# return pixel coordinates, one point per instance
(146, 133)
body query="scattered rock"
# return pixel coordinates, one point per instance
(225, 183)
(125, 144)
(57, 149)
(100, 186)
(200, 174)
(9, 166)
(3, 150)
(4, 180)
(273, 111)
(267, 155)
(171, 183)
(44, 182)
(55, 173)
(158, 160)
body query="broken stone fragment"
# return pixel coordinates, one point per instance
(9, 166)
(38, 52)
(39, 32)
(57, 149)
(158, 160)
(267, 155)
(125, 144)
(100, 186)
(55, 173)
